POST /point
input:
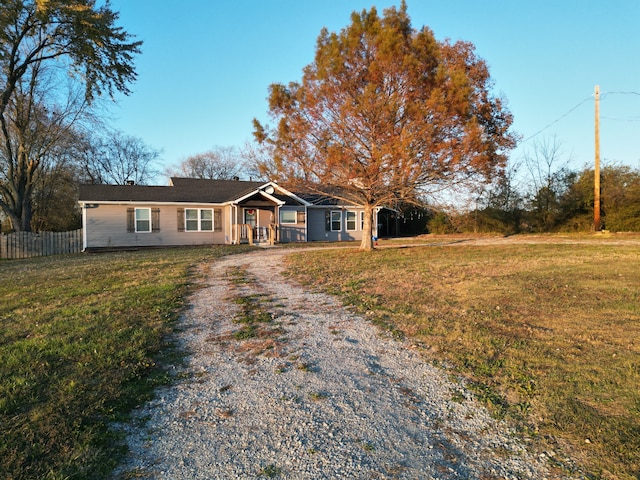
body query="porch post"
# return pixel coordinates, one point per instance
(234, 220)
(84, 226)
(232, 234)
(273, 228)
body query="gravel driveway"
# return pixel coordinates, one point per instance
(316, 393)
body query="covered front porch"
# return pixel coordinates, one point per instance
(255, 219)
(253, 235)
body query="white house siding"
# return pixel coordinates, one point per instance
(319, 231)
(106, 226)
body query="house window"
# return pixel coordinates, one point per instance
(362, 221)
(198, 219)
(143, 220)
(206, 220)
(351, 221)
(191, 219)
(336, 220)
(288, 216)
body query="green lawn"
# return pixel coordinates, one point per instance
(82, 342)
(548, 334)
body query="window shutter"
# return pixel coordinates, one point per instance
(327, 220)
(180, 219)
(217, 219)
(155, 219)
(131, 220)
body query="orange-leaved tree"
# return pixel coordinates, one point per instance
(383, 113)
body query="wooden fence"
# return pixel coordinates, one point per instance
(28, 244)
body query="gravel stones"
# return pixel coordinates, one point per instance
(318, 393)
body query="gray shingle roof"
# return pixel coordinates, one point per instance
(188, 190)
(323, 200)
(193, 190)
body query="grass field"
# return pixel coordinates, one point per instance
(82, 341)
(547, 334)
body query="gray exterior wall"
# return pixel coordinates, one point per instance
(106, 226)
(318, 230)
(297, 232)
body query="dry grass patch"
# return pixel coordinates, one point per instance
(547, 334)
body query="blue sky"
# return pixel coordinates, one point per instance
(206, 66)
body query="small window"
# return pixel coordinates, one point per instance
(198, 220)
(336, 220)
(362, 221)
(288, 216)
(351, 221)
(143, 219)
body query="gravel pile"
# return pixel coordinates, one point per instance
(318, 392)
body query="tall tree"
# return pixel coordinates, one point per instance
(117, 159)
(37, 36)
(385, 112)
(33, 132)
(77, 31)
(55, 200)
(620, 198)
(219, 163)
(549, 178)
(504, 203)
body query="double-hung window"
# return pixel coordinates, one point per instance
(198, 219)
(206, 220)
(351, 221)
(336, 220)
(143, 220)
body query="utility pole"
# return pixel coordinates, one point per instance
(596, 173)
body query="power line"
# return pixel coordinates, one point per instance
(557, 120)
(619, 93)
(602, 97)
(628, 119)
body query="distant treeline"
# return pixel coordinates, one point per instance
(562, 202)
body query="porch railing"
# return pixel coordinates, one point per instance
(245, 233)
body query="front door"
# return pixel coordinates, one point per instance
(251, 217)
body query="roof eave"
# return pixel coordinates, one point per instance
(149, 202)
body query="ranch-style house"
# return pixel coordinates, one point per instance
(199, 212)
